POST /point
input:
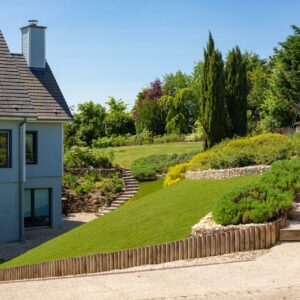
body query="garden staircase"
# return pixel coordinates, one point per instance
(130, 189)
(292, 231)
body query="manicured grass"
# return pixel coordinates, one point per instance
(124, 156)
(161, 215)
(148, 187)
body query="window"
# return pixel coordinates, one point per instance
(37, 207)
(31, 147)
(5, 149)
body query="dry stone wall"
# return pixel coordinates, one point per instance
(227, 173)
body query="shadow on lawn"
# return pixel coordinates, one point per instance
(35, 237)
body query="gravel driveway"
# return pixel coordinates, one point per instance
(273, 274)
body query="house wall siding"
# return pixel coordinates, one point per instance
(46, 174)
(50, 154)
(37, 48)
(34, 46)
(9, 212)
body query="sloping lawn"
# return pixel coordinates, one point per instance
(124, 156)
(162, 215)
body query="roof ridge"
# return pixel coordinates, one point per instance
(29, 92)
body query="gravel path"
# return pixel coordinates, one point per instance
(37, 236)
(271, 274)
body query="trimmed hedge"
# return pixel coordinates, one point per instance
(144, 138)
(146, 168)
(263, 201)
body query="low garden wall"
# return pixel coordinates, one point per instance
(227, 173)
(254, 237)
(82, 171)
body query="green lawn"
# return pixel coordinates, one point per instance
(160, 215)
(124, 156)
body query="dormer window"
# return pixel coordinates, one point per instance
(31, 148)
(5, 149)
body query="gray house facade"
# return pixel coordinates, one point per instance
(32, 113)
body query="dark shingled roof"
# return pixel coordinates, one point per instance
(27, 92)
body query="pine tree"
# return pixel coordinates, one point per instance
(236, 93)
(212, 98)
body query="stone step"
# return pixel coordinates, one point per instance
(114, 204)
(125, 179)
(119, 201)
(294, 214)
(128, 188)
(289, 234)
(128, 194)
(135, 184)
(296, 205)
(108, 209)
(130, 181)
(123, 198)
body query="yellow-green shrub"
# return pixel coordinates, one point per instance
(175, 174)
(239, 152)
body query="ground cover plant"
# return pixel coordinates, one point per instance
(239, 152)
(146, 168)
(106, 184)
(161, 215)
(264, 200)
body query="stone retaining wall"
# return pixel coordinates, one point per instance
(227, 173)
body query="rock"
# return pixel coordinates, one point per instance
(207, 225)
(227, 173)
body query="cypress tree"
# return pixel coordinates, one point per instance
(212, 97)
(236, 93)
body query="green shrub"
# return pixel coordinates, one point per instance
(84, 188)
(84, 157)
(263, 201)
(168, 138)
(110, 183)
(147, 168)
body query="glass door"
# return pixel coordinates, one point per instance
(37, 207)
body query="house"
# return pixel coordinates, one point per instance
(297, 126)
(32, 113)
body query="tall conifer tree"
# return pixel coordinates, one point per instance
(212, 98)
(236, 93)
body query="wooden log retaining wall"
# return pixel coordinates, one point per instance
(251, 238)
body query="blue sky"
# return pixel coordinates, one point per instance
(114, 48)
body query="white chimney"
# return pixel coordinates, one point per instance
(34, 44)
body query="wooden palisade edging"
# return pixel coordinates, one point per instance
(259, 236)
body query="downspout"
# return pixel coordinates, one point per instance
(22, 175)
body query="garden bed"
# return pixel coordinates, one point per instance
(87, 190)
